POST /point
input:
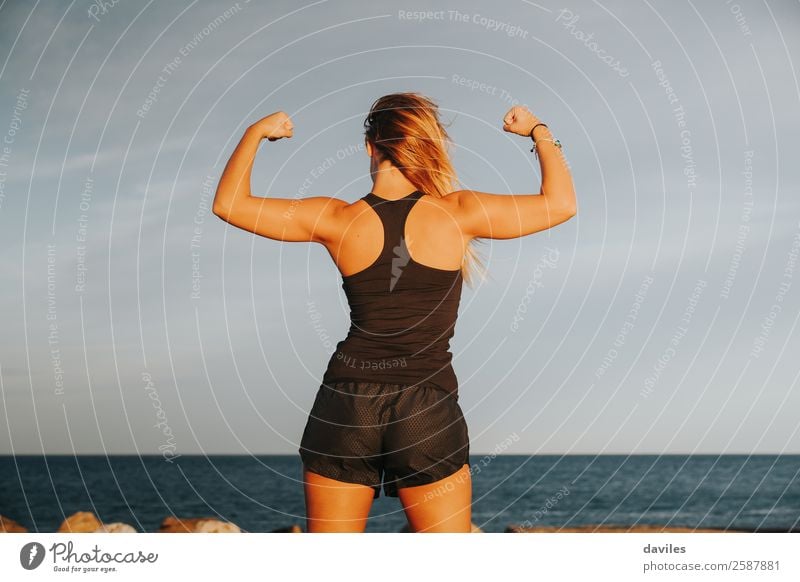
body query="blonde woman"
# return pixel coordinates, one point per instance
(386, 414)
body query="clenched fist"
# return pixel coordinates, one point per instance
(519, 120)
(274, 126)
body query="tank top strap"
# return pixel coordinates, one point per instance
(393, 215)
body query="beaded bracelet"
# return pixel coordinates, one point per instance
(556, 142)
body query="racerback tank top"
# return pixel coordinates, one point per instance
(402, 313)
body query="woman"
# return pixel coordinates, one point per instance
(387, 411)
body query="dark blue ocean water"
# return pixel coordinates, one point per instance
(263, 493)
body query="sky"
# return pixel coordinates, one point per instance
(661, 319)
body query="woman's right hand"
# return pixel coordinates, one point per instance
(519, 120)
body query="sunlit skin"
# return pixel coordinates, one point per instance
(444, 506)
(438, 231)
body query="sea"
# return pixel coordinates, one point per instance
(264, 493)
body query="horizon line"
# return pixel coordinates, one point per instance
(471, 454)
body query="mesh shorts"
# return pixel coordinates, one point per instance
(369, 432)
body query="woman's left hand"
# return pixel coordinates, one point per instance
(274, 126)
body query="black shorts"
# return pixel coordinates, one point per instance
(368, 432)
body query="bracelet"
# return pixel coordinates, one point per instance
(531, 134)
(556, 143)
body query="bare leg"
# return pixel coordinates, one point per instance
(441, 506)
(335, 506)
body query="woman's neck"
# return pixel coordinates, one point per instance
(391, 184)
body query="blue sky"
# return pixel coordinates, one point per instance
(661, 319)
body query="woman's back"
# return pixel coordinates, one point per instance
(432, 233)
(402, 311)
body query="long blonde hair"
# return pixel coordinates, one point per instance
(405, 129)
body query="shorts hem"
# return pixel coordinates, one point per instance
(309, 466)
(410, 481)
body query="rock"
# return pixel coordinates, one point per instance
(197, 525)
(115, 527)
(294, 528)
(8, 525)
(475, 529)
(640, 528)
(80, 522)
(175, 525)
(216, 526)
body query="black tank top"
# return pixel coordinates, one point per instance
(402, 313)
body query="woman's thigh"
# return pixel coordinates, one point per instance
(335, 506)
(340, 450)
(441, 506)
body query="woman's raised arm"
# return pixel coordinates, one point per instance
(291, 220)
(504, 216)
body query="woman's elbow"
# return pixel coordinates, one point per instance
(221, 208)
(571, 204)
(569, 209)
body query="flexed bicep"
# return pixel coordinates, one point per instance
(504, 216)
(313, 219)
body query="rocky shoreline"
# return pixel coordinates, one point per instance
(87, 522)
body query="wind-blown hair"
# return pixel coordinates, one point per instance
(406, 130)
